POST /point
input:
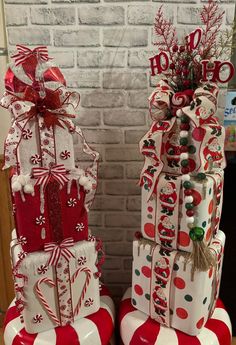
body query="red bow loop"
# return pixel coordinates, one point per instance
(25, 53)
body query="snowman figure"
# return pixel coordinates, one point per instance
(173, 150)
(166, 232)
(160, 301)
(162, 271)
(212, 153)
(168, 198)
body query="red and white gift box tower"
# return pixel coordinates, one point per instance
(178, 255)
(56, 262)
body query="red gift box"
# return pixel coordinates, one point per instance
(50, 215)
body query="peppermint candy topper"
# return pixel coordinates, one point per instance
(197, 58)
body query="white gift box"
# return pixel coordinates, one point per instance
(166, 288)
(164, 217)
(55, 295)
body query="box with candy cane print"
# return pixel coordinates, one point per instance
(166, 286)
(167, 209)
(56, 286)
(192, 140)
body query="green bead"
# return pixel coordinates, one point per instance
(189, 206)
(184, 119)
(183, 141)
(185, 162)
(187, 184)
(201, 176)
(197, 234)
(191, 149)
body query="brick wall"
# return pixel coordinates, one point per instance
(103, 48)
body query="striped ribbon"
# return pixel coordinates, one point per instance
(24, 53)
(44, 175)
(58, 250)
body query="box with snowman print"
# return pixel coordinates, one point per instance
(166, 286)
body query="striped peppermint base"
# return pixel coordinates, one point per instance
(137, 328)
(93, 329)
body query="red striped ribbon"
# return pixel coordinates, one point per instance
(59, 250)
(44, 175)
(24, 53)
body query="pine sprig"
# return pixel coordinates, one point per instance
(212, 19)
(166, 33)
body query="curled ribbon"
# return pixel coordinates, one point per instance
(58, 250)
(44, 175)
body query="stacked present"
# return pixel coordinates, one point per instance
(177, 257)
(56, 262)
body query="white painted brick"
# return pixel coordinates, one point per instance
(101, 15)
(134, 169)
(229, 15)
(138, 99)
(130, 235)
(64, 59)
(108, 234)
(121, 188)
(38, 2)
(118, 276)
(103, 136)
(124, 80)
(52, 16)
(87, 117)
(16, 16)
(79, 38)
(128, 264)
(134, 203)
(125, 0)
(101, 59)
(140, 58)
(74, 1)
(134, 136)
(128, 220)
(122, 153)
(145, 14)
(188, 15)
(177, 1)
(109, 203)
(33, 36)
(117, 250)
(112, 263)
(82, 78)
(125, 37)
(102, 99)
(110, 171)
(124, 117)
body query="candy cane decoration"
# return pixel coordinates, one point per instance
(43, 299)
(84, 290)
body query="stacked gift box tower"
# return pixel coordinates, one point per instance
(56, 262)
(177, 256)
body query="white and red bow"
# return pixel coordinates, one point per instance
(44, 175)
(58, 250)
(23, 53)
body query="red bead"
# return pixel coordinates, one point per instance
(185, 170)
(184, 126)
(190, 213)
(175, 48)
(172, 66)
(188, 192)
(184, 149)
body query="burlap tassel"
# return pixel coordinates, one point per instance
(202, 256)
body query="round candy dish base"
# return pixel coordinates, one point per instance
(94, 329)
(137, 328)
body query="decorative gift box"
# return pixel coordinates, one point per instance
(166, 286)
(185, 135)
(57, 286)
(96, 328)
(164, 213)
(137, 328)
(47, 184)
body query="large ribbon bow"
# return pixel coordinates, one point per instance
(58, 250)
(25, 53)
(44, 175)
